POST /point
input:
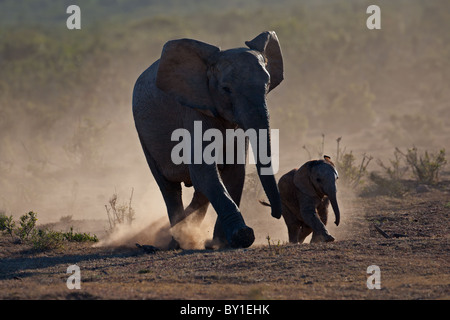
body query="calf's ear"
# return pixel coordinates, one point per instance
(302, 180)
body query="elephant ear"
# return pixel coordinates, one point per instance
(182, 72)
(302, 180)
(267, 43)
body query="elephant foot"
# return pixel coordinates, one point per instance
(322, 238)
(242, 238)
(173, 245)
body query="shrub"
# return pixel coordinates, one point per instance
(350, 173)
(40, 239)
(3, 219)
(390, 182)
(43, 240)
(119, 214)
(79, 237)
(425, 167)
(27, 224)
(384, 186)
(7, 224)
(395, 171)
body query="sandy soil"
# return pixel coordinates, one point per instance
(414, 262)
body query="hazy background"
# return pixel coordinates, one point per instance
(67, 136)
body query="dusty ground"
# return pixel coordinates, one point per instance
(415, 265)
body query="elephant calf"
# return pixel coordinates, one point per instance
(305, 195)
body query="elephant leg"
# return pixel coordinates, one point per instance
(233, 177)
(205, 179)
(312, 220)
(317, 237)
(293, 232)
(171, 191)
(304, 232)
(322, 211)
(293, 224)
(198, 207)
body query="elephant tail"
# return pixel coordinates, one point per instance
(264, 203)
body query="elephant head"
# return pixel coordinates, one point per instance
(230, 84)
(318, 179)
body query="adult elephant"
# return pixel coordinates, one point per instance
(194, 81)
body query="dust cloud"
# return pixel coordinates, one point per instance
(156, 233)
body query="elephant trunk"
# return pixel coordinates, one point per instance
(258, 119)
(335, 206)
(271, 189)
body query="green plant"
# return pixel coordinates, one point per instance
(3, 219)
(274, 247)
(40, 239)
(425, 167)
(350, 173)
(395, 171)
(27, 223)
(79, 237)
(390, 182)
(386, 186)
(43, 240)
(7, 224)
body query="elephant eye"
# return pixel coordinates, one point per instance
(226, 89)
(319, 180)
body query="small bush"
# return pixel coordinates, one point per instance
(3, 219)
(275, 248)
(79, 237)
(396, 171)
(425, 167)
(389, 183)
(350, 172)
(7, 224)
(425, 170)
(40, 239)
(385, 186)
(43, 240)
(27, 225)
(119, 213)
